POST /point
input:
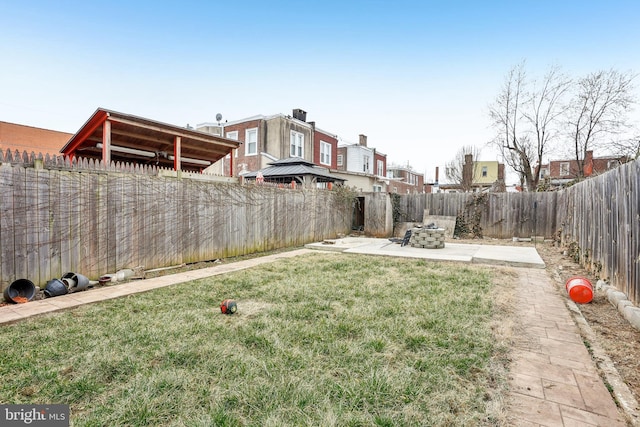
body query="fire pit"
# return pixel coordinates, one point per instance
(428, 238)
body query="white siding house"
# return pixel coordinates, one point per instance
(360, 159)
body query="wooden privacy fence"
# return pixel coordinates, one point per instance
(92, 219)
(501, 215)
(377, 214)
(57, 216)
(598, 220)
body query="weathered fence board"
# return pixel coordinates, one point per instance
(113, 195)
(126, 230)
(44, 244)
(75, 207)
(55, 207)
(31, 214)
(155, 200)
(7, 235)
(377, 214)
(20, 229)
(100, 265)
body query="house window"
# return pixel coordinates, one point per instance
(612, 164)
(564, 169)
(297, 144)
(339, 159)
(377, 188)
(365, 164)
(543, 173)
(233, 135)
(380, 167)
(251, 142)
(325, 153)
(484, 171)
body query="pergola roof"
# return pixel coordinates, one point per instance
(139, 140)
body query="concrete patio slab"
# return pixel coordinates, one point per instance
(513, 256)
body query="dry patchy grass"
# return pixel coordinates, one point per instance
(318, 340)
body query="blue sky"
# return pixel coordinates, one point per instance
(416, 77)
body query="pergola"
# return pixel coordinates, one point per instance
(113, 136)
(294, 169)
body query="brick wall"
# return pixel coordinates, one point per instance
(252, 162)
(321, 136)
(31, 139)
(342, 151)
(378, 156)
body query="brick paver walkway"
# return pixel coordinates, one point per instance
(553, 379)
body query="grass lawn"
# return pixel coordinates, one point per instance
(319, 340)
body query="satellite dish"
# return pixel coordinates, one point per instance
(218, 117)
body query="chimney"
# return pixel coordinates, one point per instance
(300, 114)
(587, 168)
(363, 140)
(437, 174)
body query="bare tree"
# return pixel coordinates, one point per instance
(460, 170)
(507, 116)
(543, 111)
(628, 148)
(599, 110)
